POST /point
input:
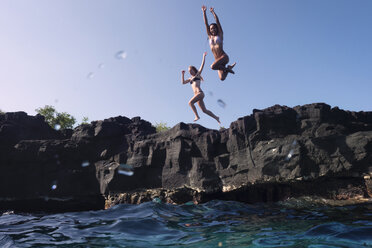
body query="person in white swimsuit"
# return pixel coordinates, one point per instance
(215, 35)
(198, 97)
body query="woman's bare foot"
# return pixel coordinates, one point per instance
(229, 68)
(218, 120)
(196, 118)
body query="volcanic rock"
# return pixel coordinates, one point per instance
(271, 155)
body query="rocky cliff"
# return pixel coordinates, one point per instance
(271, 155)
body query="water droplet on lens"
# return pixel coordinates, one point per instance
(210, 93)
(121, 55)
(85, 164)
(126, 170)
(221, 103)
(290, 154)
(90, 75)
(219, 244)
(57, 127)
(102, 65)
(54, 185)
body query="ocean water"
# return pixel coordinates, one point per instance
(292, 223)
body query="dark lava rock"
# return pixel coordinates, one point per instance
(271, 155)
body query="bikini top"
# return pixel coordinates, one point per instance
(213, 41)
(194, 79)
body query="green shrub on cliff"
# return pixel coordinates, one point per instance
(161, 127)
(85, 120)
(55, 119)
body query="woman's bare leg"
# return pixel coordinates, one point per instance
(222, 74)
(192, 101)
(208, 112)
(220, 65)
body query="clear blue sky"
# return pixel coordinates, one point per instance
(288, 52)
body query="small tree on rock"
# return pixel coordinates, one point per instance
(55, 119)
(161, 126)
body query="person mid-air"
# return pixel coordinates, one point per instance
(215, 35)
(198, 97)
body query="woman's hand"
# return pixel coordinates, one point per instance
(205, 54)
(183, 72)
(212, 10)
(204, 8)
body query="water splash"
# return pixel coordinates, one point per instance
(101, 66)
(221, 103)
(126, 170)
(121, 55)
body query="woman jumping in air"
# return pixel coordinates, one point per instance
(198, 97)
(215, 35)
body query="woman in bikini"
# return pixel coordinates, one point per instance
(215, 35)
(198, 97)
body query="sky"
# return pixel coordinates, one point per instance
(65, 53)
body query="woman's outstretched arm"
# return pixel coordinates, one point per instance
(217, 21)
(202, 64)
(183, 78)
(204, 9)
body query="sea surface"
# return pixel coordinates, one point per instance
(291, 223)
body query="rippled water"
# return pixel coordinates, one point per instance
(294, 223)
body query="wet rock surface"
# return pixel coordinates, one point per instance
(271, 155)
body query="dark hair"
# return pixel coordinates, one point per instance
(214, 24)
(194, 68)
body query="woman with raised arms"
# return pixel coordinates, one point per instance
(215, 35)
(198, 97)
